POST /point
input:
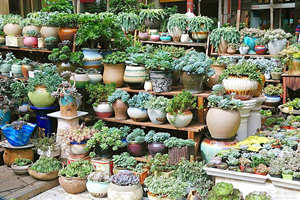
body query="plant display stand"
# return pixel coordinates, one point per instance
(289, 81)
(42, 120)
(62, 124)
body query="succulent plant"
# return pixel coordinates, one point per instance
(137, 135)
(153, 137)
(139, 100)
(119, 94)
(124, 161)
(223, 191)
(178, 142)
(125, 178)
(98, 177)
(258, 196)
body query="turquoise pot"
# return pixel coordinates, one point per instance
(16, 70)
(165, 38)
(251, 43)
(67, 100)
(5, 68)
(97, 189)
(92, 58)
(5, 116)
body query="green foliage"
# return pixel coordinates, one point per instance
(99, 93)
(20, 92)
(125, 130)
(58, 5)
(64, 54)
(129, 21)
(22, 162)
(46, 165)
(117, 57)
(182, 102)
(119, 94)
(178, 142)
(153, 15)
(224, 191)
(229, 34)
(12, 19)
(258, 196)
(157, 103)
(124, 161)
(98, 125)
(136, 58)
(76, 58)
(32, 33)
(66, 20)
(200, 24)
(158, 137)
(139, 100)
(137, 135)
(159, 60)
(294, 104)
(276, 34)
(177, 21)
(160, 164)
(118, 6)
(273, 90)
(79, 169)
(44, 143)
(175, 52)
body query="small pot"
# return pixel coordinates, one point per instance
(120, 109)
(136, 149)
(184, 38)
(78, 148)
(260, 49)
(272, 99)
(31, 42)
(137, 114)
(72, 185)
(276, 75)
(154, 37)
(180, 120)
(30, 28)
(244, 50)
(67, 33)
(161, 81)
(215, 78)
(165, 37)
(231, 50)
(43, 176)
(65, 66)
(25, 69)
(143, 36)
(95, 78)
(103, 110)
(157, 147)
(97, 189)
(20, 170)
(199, 36)
(133, 192)
(157, 116)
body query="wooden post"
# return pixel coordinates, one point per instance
(238, 15)
(22, 8)
(78, 6)
(199, 7)
(107, 5)
(271, 15)
(32, 5)
(220, 12)
(225, 13)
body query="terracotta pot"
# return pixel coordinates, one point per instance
(161, 81)
(231, 50)
(133, 192)
(137, 114)
(25, 69)
(157, 116)
(199, 35)
(180, 120)
(260, 86)
(294, 68)
(222, 124)
(157, 147)
(136, 149)
(135, 76)
(10, 155)
(241, 86)
(12, 29)
(103, 110)
(43, 176)
(20, 170)
(66, 33)
(97, 189)
(143, 35)
(192, 82)
(120, 109)
(72, 185)
(114, 74)
(222, 46)
(215, 78)
(30, 28)
(41, 97)
(49, 31)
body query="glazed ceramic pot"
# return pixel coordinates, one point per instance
(5, 69)
(154, 37)
(5, 116)
(68, 106)
(66, 33)
(72, 185)
(30, 28)
(136, 148)
(244, 50)
(114, 74)
(65, 66)
(180, 120)
(137, 114)
(192, 82)
(157, 116)
(148, 86)
(199, 36)
(161, 81)
(260, 49)
(95, 78)
(92, 58)
(215, 78)
(20, 170)
(49, 31)
(12, 29)
(165, 37)
(276, 46)
(157, 147)
(81, 80)
(175, 33)
(103, 110)
(41, 97)
(241, 86)
(133, 192)
(43, 176)
(25, 69)
(223, 46)
(272, 99)
(223, 124)
(185, 38)
(135, 76)
(16, 70)
(78, 148)
(143, 35)
(250, 42)
(276, 75)
(294, 68)
(97, 189)
(231, 50)
(31, 42)
(120, 109)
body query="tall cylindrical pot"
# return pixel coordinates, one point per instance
(114, 74)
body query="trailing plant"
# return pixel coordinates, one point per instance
(181, 103)
(157, 103)
(158, 137)
(229, 34)
(139, 100)
(153, 15)
(200, 24)
(128, 21)
(117, 57)
(46, 165)
(99, 93)
(137, 135)
(159, 61)
(273, 90)
(124, 161)
(118, 6)
(125, 178)
(178, 142)
(80, 169)
(119, 94)
(22, 162)
(177, 22)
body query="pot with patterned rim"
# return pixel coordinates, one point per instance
(92, 58)
(135, 76)
(243, 87)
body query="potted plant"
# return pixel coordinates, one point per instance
(30, 23)
(273, 93)
(20, 94)
(276, 166)
(177, 25)
(67, 23)
(99, 94)
(143, 34)
(179, 148)
(156, 109)
(12, 25)
(160, 65)
(16, 68)
(291, 106)
(156, 142)
(179, 109)
(80, 77)
(51, 42)
(136, 142)
(276, 40)
(224, 190)
(46, 146)
(123, 162)
(27, 66)
(125, 185)
(6, 64)
(72, 178)
(223, 118)
(137, 106)
(45, 169)
(276, 73)
(49, 23)
(287, 174)
(218, 66)
(129, 21)
(114, 68)
(151, 17)
(244, 48)
(249, 36)
(258, 195)
(159, 166)
(118, 99)
(196, 68)
(94, 76)
(200, 26)
(97, 184)
(42, 85)
(260, 47)
(31, 39)
(261, 169)
(232, 48)
(20, 166)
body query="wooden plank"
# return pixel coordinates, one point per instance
(168, 1)
(4, 8)
(247, 55)
(25, 49)
(189, 44)
(200, 101)
(272, 81)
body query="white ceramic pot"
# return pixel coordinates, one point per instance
(275, 46)
(244, 50)
(180, 120)
(95, 78)
(116, 192)
(20, 170)
(103, 110)
(80, 80)
(241, 86)
(12, 29)
(272, 99)
(97, 189)
(78, 149)
(148, 86)
(157, 116)
(185, 38)
(50, 153)
(49, 31)
(137, 114)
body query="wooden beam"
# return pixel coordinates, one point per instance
(78, 6)
(22, 7)
(238, 15)
(4, 8)
(271, 15)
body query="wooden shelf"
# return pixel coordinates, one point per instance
(189, 44)
(143, 158)
(194, 127)
(247, 55)
(272, 81)
(25, 49)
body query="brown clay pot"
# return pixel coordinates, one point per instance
(114, 74)
(72, 185)
(223, 46)
(25, 69)
(66, 33)
(43, 176)
(260, 86)
(231, 50)
(215, 78)
(10, 155)
(120, 109)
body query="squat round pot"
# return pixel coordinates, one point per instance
(81, 80)
(137, 114)
(30, 28)
(154, 37)
(223, 124)
(157, 147)
(244, 50)
(49, 31)
(12, 29)
(78, 148)
(180, 120)
(199, 35)
(20, 170)
(41, 97)
(260, 49)
(95, 78)
(143, 35)
(133, 192)
(103, 110)
(136, 148)
(43, 176)
(241, 86)
(31, 42)
(192, 82)
(165, 37)
(73, 185)
(135, 76)
(114, 74)
(97, 189)
(120, 109)
(157, 116)
(161, 81)
(66, 33)
(272, 99)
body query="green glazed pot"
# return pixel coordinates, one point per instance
(41, 97)
(5, 68)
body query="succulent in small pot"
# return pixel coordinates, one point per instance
(273, 93)
(136, 142)
(232, 48)
(258, 195)
(159, 165)
(123, 162)
(200, 26)
(244, 48)
(156, 109)
(118, 99)
(261, 169)
(46, 146)
(73, 177)
(179, 109)
(45, 169)
(51, 42)
(97, 184)
(276, 73)
(137, 106)
(21, 165)
(177, 25)
(68, 25)
(31, 39)
(276, 40)
(27, 65)
(156, 142)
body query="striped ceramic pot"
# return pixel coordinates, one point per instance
(135, 76)
(241, 86)
(92, 58)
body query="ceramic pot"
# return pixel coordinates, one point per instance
(81, 80)
(250, 42)
(12, 29)
(68, 106)
(157, 147)
(49, 31)
(65, 66)
(5, 116)
(175, 33)
(114, 74)
(294, 68)
(143, 35)
(185, 38)
(25, 69)
(137, 114)
(95, 78)
(165, 37)
(135, 76)
(287, 176)
(215, 78)
(241, 86)
(155, 197)
(120, 109)
(276, 75)
(10, 155)
(148, 86)
(199, 36)
(116, 192)
(272, 99)
(192, 82)
(260, 49)
(244, 50)
(20, 170)
(78, 148)
(103, 110)
(161, 81)
(154, 37)
(136, 148)
(97, 189)
(16, 70)
(50, 152)
(231, 50)
(30, 28)
(2, 39)
(72, 185)
(157, 116)
(276, 46)
(222, 124)
(66, 33)
(31, 42)
(180, 120)
(41, 97)
(222, 46)
(43, 176)
(92, 58)
(5, 69)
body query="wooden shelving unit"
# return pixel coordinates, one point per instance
(272, 81)
(189, 44)
(25, 49)
(246, 55)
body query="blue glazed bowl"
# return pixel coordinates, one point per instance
(18, 137)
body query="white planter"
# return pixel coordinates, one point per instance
(148, 86)
(239, 86)
(103, 110)
(95, 78)
(137, 114)
(185, 38)
(157, 116)
(49, 153)
(116, 192)
(180, 120)
(272, 99)
(275, 46)
(97, 189)
(244, 50)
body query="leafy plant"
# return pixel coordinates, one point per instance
(58, 5)
(139, 100)
(294, 104)
(32, 33)
(46, 165)
(258, 196)
(181, 103)
(44, 143)
(200, 24)
(125, 178)
(129, 21)
(273, 90)
(137, 135)
(159, 163)
(136, 58)
(175, 52)
(118, 6)
(223, 191)
(153, 15)
(20, 92)
(277, 34)
(12, 19)
(50, 40)
(159, 61)
(178, 142)
(117, 57)
(158, 137)
(177, 22)
(124, 161)
(229, 34)
(64, 54)
(79, 169)
(157, 103)
(99, 93)
(22, 162)
(119, 94)
(66, 20)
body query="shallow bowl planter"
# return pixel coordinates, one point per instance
(103, 110)
(72, 185)
(161, 81)
(180, 120)
(136, 148)
(78, 148)
(20, 170)
(157, 116)
(157, 147)
(165, 37)
(43, 176)
(137, 114)
(41, 97)
(97, 189)
(134, 192)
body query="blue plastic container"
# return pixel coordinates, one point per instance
(18, 137)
